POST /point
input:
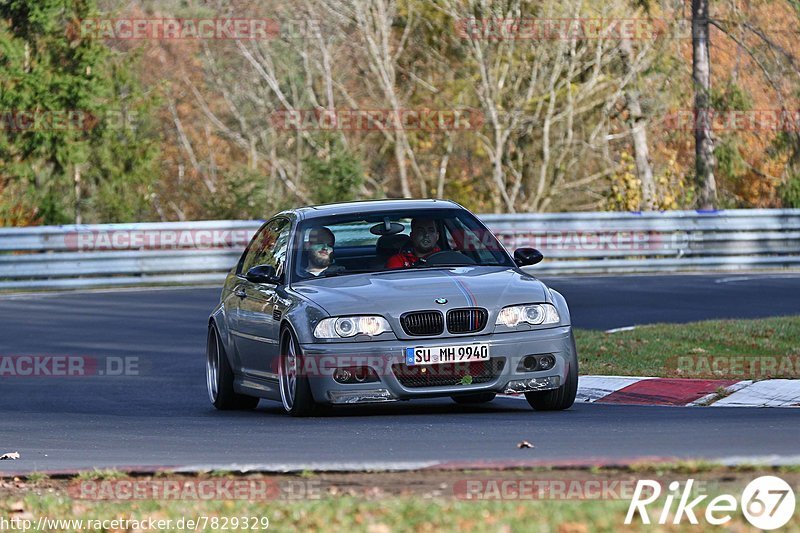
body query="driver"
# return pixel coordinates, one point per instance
(424, 237)
(319, 253)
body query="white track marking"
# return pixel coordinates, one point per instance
(625, 328)
(735, 279)
(707, 399)
(768, 393)
(593, 388)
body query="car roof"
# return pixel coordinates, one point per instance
(372, 206)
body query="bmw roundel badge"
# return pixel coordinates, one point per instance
(441, 301)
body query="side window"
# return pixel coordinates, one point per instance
(462, 238)
(279, 251)
(268, 247)
(451, 241)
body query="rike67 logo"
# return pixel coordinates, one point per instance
(767, 502)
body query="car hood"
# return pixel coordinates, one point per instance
(399, 291)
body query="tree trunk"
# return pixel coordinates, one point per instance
(77, 184)
(701, 75)
(637, 122)
(402, 170)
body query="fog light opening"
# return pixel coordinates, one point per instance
(530, 363)
(360, 374)
(546, 362)
(342, 375)
(354, 374)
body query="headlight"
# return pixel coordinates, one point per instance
(350, 326)
(536, 314)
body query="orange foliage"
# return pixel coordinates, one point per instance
(731, 63)
(16, 213)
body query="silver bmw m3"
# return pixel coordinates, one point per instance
(382, 301)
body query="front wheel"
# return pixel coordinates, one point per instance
(560, 398)
(219, 377)
(295, 390)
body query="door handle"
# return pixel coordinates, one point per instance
(241, 293)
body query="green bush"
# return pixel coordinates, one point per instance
(333, 176)
(790, 192)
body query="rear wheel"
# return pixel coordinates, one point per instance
(295, 390)
(219, 377)
(478, 397)
(560, 398)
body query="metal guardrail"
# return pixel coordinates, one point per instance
(201, 252)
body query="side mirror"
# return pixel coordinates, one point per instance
(527, 256)
(262, 274)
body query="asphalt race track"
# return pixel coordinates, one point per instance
(162, 417)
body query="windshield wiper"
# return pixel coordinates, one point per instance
(434, 265)
(444, 265)
(346, 271)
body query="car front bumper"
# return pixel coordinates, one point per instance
(387, 360)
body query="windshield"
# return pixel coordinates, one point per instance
(356, 243)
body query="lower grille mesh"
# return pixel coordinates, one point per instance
(447, 374)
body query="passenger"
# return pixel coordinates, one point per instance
(318, 255)
(424, 239)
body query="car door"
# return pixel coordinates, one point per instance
(239, 291)
(257, 329)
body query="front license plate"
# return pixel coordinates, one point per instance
(434, 355)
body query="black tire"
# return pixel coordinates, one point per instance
(478, 397)
(560, 398)
(219, 377)
(296, 397)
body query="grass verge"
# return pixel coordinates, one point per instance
(712, 349)
(392, 501)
